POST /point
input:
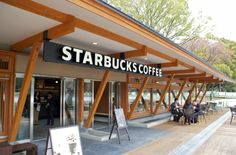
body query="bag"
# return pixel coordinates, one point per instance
(38, 107)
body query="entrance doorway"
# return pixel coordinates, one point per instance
(46, 105)
(63, 110)
(109, 100)
(38, 116)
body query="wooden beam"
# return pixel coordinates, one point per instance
(181, 88)
(202, 78)
(199, 91)
(99, 94)
(179, 71)
(24, 90)
(54, 32)
(138, 97)
(204, 94)
(80, 113)
(207, 81)
(170, 64)
(131, 54)
(191, 91)
(163, 94)
(190, 75)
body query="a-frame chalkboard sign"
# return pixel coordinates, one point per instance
(119, 122)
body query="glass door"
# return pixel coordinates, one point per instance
(69, 99)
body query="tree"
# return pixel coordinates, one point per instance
(212, 51)
(171, 18)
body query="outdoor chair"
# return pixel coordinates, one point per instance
(220, 106)
(202, 112)
(233, 113)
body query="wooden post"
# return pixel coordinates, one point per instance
(181, 88)
(138, 97)
(169, 100)
(80, 113)
(199, 91)
(207, 87)
(98, 96)
(191, 91)
(151, 100)
(163, 94)
(24, 90)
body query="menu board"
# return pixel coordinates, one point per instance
(120, 118)
(64, 141)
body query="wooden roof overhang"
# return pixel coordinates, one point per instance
(79, 22)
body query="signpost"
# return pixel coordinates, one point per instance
(64, 141)
(119, 122)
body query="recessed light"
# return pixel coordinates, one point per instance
(157, 82)
(56, 81)
(94, 43)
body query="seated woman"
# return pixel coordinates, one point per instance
(188, 111)
(175, 110)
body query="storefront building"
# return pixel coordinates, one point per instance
(96, 58)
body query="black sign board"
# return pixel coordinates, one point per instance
(58, 53)
(119, 122)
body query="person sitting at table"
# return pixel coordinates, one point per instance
(197, 110)
(188, 111)
(175, 110)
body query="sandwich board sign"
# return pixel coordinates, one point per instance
(64, 141)
(119, 122)
(120, 118)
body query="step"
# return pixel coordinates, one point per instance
(150, 121)
(97, 135)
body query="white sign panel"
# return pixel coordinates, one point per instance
(64, 141)
(120, 118)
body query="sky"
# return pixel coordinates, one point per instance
(222, 12)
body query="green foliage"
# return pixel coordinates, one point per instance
(224, 68)
(171, 18)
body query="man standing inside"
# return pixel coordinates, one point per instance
(50, 106)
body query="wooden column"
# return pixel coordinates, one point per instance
(169, 100)
(98, 96)
(24, 90)
(191, 91)
(207, 87)
(163, 93)
(138, 97)
(80, 113)
(199, 91)
(181, 88)
(151, 100)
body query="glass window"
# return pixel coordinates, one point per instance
(24, 128)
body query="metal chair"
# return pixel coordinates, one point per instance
(233, 113)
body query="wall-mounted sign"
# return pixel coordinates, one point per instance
(69, 55)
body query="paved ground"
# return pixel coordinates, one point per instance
(139, 137)
(181, 137)
(167, 138)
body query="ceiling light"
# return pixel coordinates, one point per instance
(94, 43)
(145, 58)
(157, 82)
(56, 81)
